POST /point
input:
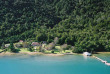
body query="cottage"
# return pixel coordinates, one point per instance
(21, 41)
(7, 45)
(35, 44)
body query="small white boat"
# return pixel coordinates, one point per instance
(87, 53)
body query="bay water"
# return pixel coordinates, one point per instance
(40, 64)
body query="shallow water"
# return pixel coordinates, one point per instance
(104, 56)
(39, 64)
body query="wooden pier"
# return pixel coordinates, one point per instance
(103, 61)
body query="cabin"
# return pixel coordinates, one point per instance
(21, 41)
(7, 45)
(35, 44)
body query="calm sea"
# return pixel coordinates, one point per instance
(39, 64)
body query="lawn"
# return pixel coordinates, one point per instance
(24, 50)
(56, 50)
(58, 47)
(48, 51)
(1, 50)
(68, 51)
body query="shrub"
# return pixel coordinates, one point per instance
(25, 45)
(3, 46)
(64, 47)
(6, 49)
(18, 45)
(56, 40)
(51, 46)
(43, 51)
(68, 47)
(77, 50)
(12, 48)
(30, 49)
(52, 51)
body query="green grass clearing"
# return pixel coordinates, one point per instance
(24, 50)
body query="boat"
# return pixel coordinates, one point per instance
(87, 53)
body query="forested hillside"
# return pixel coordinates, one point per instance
(84, 24)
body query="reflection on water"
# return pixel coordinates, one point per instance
(85, 57)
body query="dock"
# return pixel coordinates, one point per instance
(103, 61)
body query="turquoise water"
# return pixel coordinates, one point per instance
(104, 57)
(39, 64)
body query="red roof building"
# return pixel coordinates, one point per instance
(35, 44)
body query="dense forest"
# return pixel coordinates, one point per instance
(84, 24)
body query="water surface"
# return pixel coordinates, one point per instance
(39, 64)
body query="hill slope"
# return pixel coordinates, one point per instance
(82, 23)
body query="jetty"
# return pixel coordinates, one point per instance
(103, 61)
(107, 64)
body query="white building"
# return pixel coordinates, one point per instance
(87, 53)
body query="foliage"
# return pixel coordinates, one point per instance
(3, 46)
(18, 45)
(52, 51)
(40, 48)
(30, 49)
(56, 40)
(68, 47)
(77, 50)
(25, 45)
(12, 48)
(84, 24)
(64, 47)
(43, 51)
(51, 46)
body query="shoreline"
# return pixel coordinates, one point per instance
(28, 53)
(103, 53)
(40, 53)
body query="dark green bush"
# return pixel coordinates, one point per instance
(52, 51)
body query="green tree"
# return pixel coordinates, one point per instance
(3, 46)
(12, 48)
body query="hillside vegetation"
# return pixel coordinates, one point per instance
(84, 24)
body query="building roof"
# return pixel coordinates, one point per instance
(7, 45)
(35, 44)
(20, 40)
